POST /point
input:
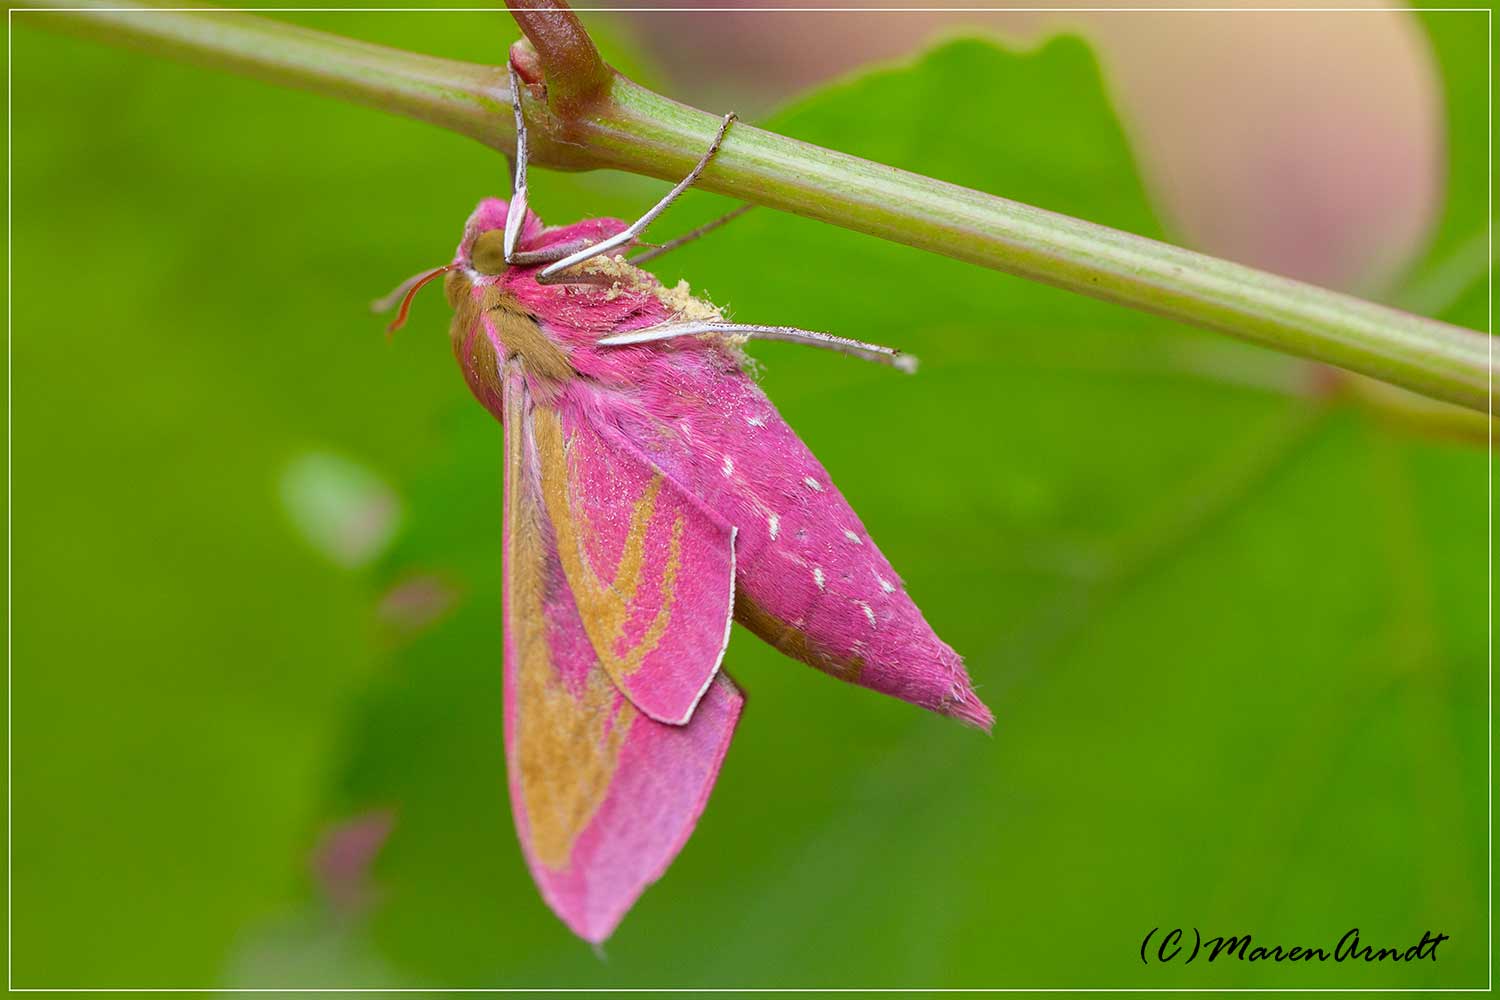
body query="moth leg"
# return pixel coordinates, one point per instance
(515, 214)
(751, 331)
(529, 258)
(690, 236)
(637, 227)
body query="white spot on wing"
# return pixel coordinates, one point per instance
(728, 466)
(852, 537)
(818, 577)
(812, 483)
(755, 421)
(775, 523)
(885, 585)
(869, 612)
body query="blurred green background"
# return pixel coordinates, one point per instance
(1233, 629)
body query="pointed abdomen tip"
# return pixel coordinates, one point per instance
(968, 709)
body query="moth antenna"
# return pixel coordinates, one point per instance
(406, 291)
(790, 334)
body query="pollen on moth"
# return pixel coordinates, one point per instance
(626, 277)
(687, 307)
(614, 266)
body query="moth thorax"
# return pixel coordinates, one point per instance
(495, 312)
(522, 336)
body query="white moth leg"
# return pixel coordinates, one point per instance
(550, 273)
(529, 258)
(548, 254)
(858, 348)
(690, 236)
(515, 214)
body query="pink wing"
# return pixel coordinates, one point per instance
(813, 583)
(650, 568)
(604, 797)
(811, 580)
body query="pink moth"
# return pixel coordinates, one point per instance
(652, 495)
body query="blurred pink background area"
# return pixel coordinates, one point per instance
(1305, 143)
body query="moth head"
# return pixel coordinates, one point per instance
(481, 249)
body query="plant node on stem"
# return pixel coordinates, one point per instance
(576, 76)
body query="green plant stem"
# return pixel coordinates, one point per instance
(626, 127)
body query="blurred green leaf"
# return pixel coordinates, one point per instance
(1233, 636)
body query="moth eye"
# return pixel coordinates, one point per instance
(488, 254)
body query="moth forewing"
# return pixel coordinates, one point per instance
(585, 767)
